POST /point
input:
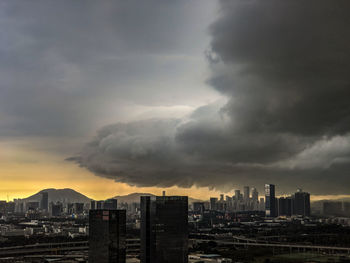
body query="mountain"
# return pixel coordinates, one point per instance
(68, 195)
(71, 196)
(135, 198)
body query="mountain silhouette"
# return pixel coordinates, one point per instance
(61, 195)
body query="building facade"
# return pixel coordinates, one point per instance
(270, 200)
(164, 229)
(301, 203)
(107, 231)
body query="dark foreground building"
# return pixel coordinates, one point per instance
(270, 200)
(301, 203)
(164, 229)
(107, 230)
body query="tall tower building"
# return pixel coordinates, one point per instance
(285, 207)
(270, 200)
(44, 202)
(164, 229)
(110, 204)
(246, 195)
(107, 231)
(255, 195)
(93, 205)
(237, 195)
(301, 203)
(213, 203)
(255, 199)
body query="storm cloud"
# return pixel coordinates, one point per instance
(68, 67)
(284, 68)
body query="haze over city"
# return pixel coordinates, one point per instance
(193, 97)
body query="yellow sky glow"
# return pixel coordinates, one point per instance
(24, 172)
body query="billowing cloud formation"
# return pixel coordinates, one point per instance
(284, 67)
(68, 67)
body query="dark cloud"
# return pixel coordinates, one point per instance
(69, 66)
(284, 67)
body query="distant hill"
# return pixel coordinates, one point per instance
(68, 195)
(135, 198)
(71, 196)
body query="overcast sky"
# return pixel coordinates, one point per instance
(178, 93)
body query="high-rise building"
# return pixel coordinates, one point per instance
(56, 209)
(44, 202)
(198, 207)
(246, 195)
(93, 205)
(164, 229)
(32, 205)
(107, 231)
(255, 195)
(110, 204)
(99, 204)
(262, 204)
(255, 199)
(301, 203)
(2, 208)
(213, 203)
(270, 200)
(237, 195)
(78, 208)
(285, 206)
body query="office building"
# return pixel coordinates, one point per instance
(107, 231)
(198, 207)
(78, 208)
(285, 206)
(56, 209)
(246, 195)
(237, 195)
(110, 204)
(213, 203)
(255, 195)
(44, 202)
(255, 199)
(270, 200)
(164, 229)
(262, 204)
(301, 203)
(99, 204)
(32, 205)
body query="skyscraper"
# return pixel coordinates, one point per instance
(255, 195)
(110, 204)
(198, 207)
(301, 203)
(285, 206)
(270, 200)
(237, 195)
(164, 229)
(246, 195)
(107, 230)
(44, 202)
(213, 203)
(255, 199)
